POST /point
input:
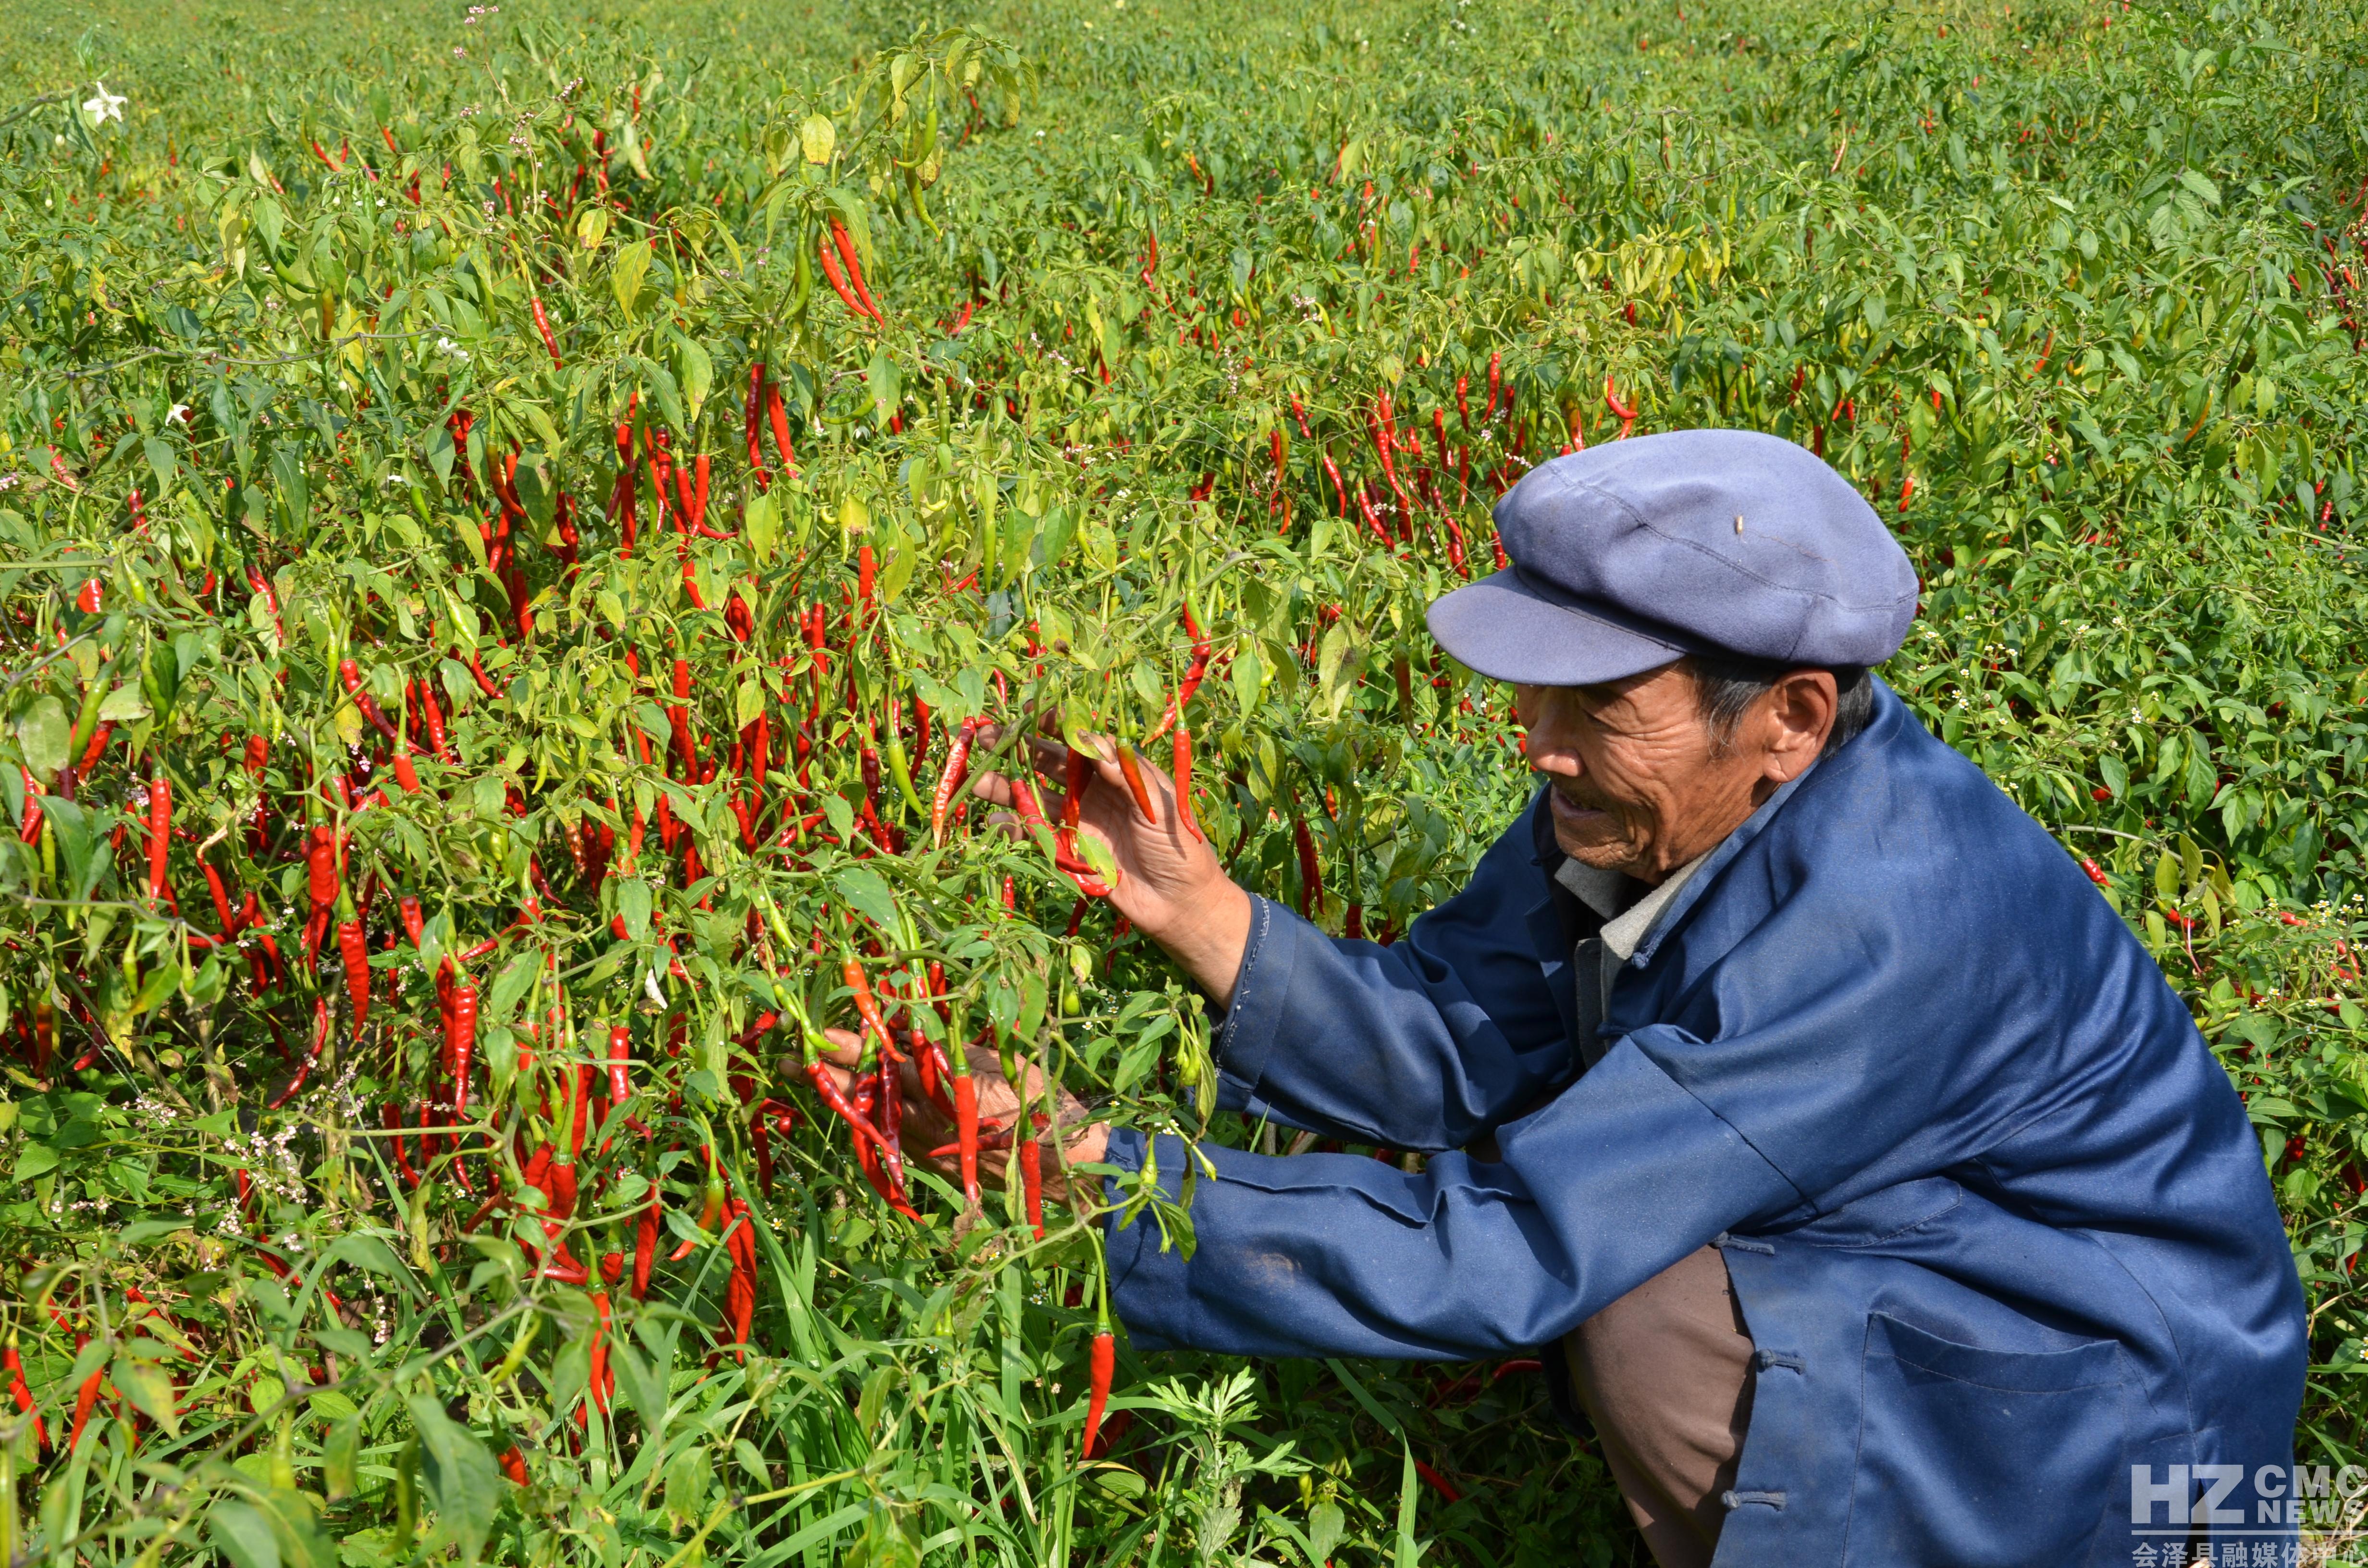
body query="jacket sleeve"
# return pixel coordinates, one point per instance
(1427, 1044)
(1338, 1254)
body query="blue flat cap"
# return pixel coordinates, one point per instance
(1634, 553)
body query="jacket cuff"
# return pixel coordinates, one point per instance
(1141, 1274)
(1247, 1033)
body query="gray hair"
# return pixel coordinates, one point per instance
(1726, 686)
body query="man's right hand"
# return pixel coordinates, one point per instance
(1170, 881)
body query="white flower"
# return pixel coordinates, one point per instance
(180, 414)
(107, 105)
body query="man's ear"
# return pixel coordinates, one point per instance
(1798, 717)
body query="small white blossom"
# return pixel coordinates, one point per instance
(107, 105)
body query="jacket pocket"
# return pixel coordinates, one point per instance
(1974, 1458)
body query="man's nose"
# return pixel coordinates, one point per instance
(1549, 749)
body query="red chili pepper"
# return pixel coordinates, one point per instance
(435, 718)
(1311, 875)
(838, 282)
(678, 715)
(1101, 1362)
(750, 420)
(30, 833)
(542, 325)
(85, 1400)
(1437, 1482)
(392, 1118)
(160, 832)
(461, 1042)
(1131, 766)
(320, 865)
(740, 1291)
(1077, 778)
(355, 948)
(621, 500)
(860, 1127)
(97, 748)
(20, 1393)
(621, 1059)
(779, 417)
(257, 582)
(1627, 414)
(957, 769)
(514, 1465)
(866, 1005)
(1031, 1184)
(230, 921)
(846, 243)
(966, 1126)
(890, 1100)
(1181, 755)
(1193, 673)
(645, 1244)
(304, 1068)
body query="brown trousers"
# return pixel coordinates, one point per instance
(1664, 1372)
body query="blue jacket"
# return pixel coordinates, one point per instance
(1994, 1216)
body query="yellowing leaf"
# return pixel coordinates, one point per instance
(818, 139)
(627, 273)
(151, 1389)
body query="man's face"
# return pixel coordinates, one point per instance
(1640, 785)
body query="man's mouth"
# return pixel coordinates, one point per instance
(1575, 812)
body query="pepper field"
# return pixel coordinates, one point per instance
(683, 417)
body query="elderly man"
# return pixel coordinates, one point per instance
(1871, 1191)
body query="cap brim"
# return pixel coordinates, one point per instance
(1509, 627)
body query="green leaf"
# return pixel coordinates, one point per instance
(161, 462)
(868, 892)
(643, 1388)
(634, 906)
(33, 1160)
(1326, 1525)
(886, 384)
(241, 1533)
(464, 1485)
(122, 705)
(508, 987)
(341, 1457)
(367, 1253)
(1248, 678)
(760, 524)
(44, 732)
(1052, 540)
(1409, 1553)
(898, 574)
(694, 371)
